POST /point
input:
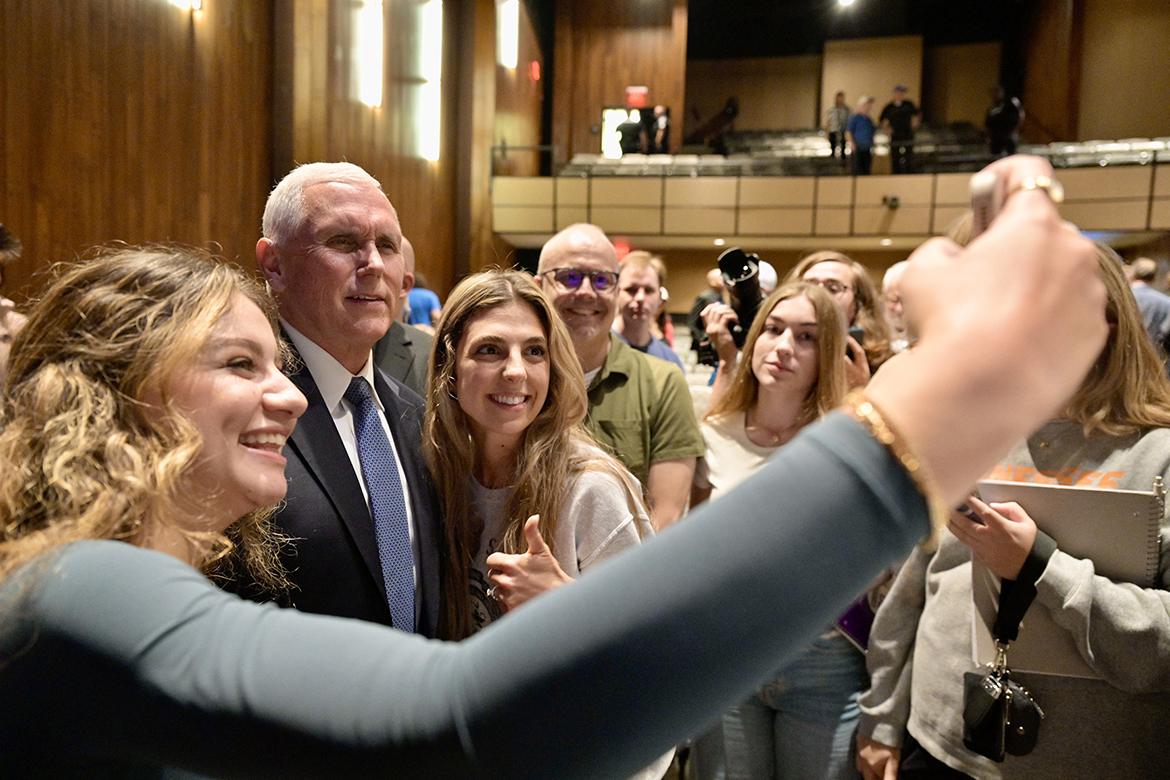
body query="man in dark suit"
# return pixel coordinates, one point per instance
(404, 351)
(332, 255)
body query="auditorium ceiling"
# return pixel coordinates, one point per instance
(728, 29)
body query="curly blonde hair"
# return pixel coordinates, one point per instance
(79, 459)
(831, 384)
(556, 449)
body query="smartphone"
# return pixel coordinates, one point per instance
(965, 509)
(983, 200)
(858, 335)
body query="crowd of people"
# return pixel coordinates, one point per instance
(854, 132)
(234, 514)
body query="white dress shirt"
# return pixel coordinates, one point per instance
(332, 380)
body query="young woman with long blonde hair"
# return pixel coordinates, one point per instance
(791, 373)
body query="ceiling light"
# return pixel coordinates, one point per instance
(886, 242)
(719, 242)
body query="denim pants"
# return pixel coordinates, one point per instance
(802, 724)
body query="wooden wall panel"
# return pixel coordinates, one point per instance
(324, 121)
(1124, 92)
(600, 49)
(957, 82)
(773, 92)
(519, 101)
(132, 120)
(1052, 85)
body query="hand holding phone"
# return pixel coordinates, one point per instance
(984, 200)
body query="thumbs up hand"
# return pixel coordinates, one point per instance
(517, 578)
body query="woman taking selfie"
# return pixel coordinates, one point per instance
(122, 660)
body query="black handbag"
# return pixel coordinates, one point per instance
(999, 715)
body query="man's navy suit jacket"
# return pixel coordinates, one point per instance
(335, 567)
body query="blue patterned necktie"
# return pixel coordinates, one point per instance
(387, 502)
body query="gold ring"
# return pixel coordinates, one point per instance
(1053, 188)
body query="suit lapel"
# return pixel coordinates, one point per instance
(316, 441)
(393, 354)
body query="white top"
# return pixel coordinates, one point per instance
(731, 456)
(596, 524)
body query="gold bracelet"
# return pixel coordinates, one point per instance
(1050, 186)
(860, 408)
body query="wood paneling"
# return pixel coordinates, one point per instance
(785, 221)
(519, 100)
(328, 123)
(1052, 86)
(957, 80)
(873, 190)
(1124, 91)
(600, 49)
(772, 92)
(681, 208)
(132, 120)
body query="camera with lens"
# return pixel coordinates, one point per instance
(741, 277)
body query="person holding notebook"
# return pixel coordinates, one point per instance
(1113, 434)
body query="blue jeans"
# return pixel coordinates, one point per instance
(801, 725)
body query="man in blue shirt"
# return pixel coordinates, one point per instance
(422, 304)
(859, 132)
(1152, 303)
(639, 300)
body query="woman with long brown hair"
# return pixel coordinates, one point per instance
(802, 722)
(505, 442)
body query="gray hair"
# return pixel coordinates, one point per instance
(284, 212)
(894, 273)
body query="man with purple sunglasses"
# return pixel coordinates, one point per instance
(639, 407)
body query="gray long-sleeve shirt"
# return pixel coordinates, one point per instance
(117, 661)
(920, 646)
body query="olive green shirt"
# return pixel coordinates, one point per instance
(640, 409)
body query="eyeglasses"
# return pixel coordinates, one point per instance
(832, 286)
(603, 282)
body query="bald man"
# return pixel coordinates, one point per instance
(639, 406)
(405, 350)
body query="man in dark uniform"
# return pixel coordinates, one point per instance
(1003, 122)
(900, 118)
